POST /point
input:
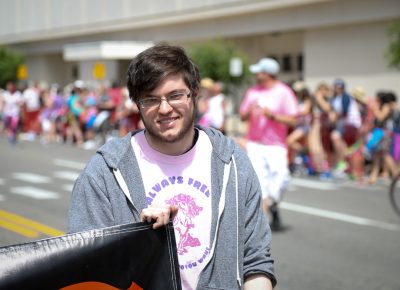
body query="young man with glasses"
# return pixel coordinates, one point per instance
(173, 169)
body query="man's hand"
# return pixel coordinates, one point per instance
(160, 215)
(267, 112)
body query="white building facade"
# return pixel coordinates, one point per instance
(315, 40)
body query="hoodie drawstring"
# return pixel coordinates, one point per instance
(122, 184)
(239, 280)
(221, 205)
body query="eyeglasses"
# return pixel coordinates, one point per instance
(174, 99)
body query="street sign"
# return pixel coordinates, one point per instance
(236, 67)
(22, 72)
(99, 70)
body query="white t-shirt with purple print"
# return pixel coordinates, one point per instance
(185, 181)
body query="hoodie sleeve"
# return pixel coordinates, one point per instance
(257, 256)
(90, 205)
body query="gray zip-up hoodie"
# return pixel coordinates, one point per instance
(110, 192)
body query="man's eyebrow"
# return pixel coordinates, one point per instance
(167, 94)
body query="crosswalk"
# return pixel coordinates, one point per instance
(34, 192)
(68, 171)
(31, 177)
(31, 184)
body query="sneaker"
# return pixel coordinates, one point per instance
(341, 166)
(340, 170)
(275, 218)
(326, 175)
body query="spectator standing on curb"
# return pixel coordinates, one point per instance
(31, 110)
(379, 141)
(13, 102)
(297, 140)
(270, 107)
(346, 118)
(325, 160)
(1, 113)
(214, 115)
(206, 85)
(76, 108)
(173, 169)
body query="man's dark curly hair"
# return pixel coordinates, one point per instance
(149, 68)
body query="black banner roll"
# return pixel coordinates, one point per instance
(130, 256)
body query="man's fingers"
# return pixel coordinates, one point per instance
(159, 215)
(174, 211)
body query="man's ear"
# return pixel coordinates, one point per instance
(195, 94)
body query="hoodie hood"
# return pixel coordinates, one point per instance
(223, 147)
(116, 150)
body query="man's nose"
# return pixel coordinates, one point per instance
(164, 107)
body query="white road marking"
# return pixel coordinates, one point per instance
(2, 181)
(68, 187)
(339, 216)
(2, 197)
(34, 192)
(69, 164)
(68, 175)
(30, 177)
(313, 184)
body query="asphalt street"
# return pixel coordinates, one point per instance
(339, 235)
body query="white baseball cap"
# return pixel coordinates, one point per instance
(79, 84)
(267, 65)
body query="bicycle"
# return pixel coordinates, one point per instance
(394, 193)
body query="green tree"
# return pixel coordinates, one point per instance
(213, 58)
(393, 49)
(9, 62)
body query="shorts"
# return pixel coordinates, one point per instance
(270, 163)
(349, 133)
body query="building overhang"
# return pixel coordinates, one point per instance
(104, 50)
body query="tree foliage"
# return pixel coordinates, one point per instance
(393, 49)
(213, 59)
(9, 62)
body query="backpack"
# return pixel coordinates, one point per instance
(396, 135)
(396, 120)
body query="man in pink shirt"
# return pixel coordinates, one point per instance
(270, 107)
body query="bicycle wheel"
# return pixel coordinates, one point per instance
(395, 194)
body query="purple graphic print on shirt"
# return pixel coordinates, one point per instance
(183, 222)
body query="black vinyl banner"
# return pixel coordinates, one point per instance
(131, 256)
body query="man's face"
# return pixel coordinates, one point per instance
(166, 123)
(10, 87)
(262, 77)
(338, 90)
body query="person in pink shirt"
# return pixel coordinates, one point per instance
(270, 107)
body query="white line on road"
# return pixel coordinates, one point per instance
(2, 197)
(33, 192)
(1, 181)
(30, 177)
(68, 187)
(68, 175)
(313, 184)
(339, 216)
(69, 164)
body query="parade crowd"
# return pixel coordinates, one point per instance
(77, 114)
(339, 132)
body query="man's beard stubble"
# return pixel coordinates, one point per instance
(156, 136)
